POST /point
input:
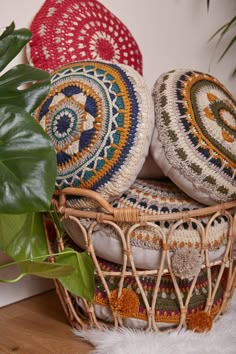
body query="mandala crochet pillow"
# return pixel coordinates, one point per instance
(100, 119)
(131, 306)
(194, 139)
(153, 198)
(64, 31)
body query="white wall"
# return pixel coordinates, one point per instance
(171, 34)
(26, 287)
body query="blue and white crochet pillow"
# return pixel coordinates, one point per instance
(194, 138)
(100, 119)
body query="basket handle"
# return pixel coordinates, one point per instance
(81, 192)
(118, 214)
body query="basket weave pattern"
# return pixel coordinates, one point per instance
(226, 274)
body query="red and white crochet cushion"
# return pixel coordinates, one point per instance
(64, 31)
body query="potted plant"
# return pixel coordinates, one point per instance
(27, 176)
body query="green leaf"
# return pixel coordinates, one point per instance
(228, 25)
(81, 282)
(223, 30)
(234, 72)
(23, 236)
(208, 5)
(217, 32)
(28, 97)
(227, 48)
(8, 30)
(46, 269)
(11, 43)
(27, 163)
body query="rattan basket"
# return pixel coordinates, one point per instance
(84, 316)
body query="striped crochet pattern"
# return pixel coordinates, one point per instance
(196, 129)
(167, 306)
(65, 31)
(97, 115)
(164, 197)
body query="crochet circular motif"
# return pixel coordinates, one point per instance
(196, 121)
(97, 116)
(65, 31)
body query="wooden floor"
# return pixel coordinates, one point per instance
(38, 326)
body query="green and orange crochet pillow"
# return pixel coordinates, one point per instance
(194, 139)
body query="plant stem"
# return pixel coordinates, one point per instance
(13, 280)
(34, 258)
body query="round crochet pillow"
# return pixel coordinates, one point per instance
(194, 139)
(100, 119)
(131, 305)
(153, 198)
(65, 31)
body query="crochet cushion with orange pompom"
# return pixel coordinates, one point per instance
(128, 303)
(65, 31)
(194, 139)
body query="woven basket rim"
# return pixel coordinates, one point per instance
(128, 214)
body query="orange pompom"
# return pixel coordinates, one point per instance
(127, 304)
(200, 322)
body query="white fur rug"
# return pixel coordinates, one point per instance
(221, 339)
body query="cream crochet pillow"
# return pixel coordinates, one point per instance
(153, 198)
(194, 139)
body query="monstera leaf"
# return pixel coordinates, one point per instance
(27, 156)
(27, 163)
(81, 281)
(11, 43)
(28, 173)
(13, 91)
(23, 236)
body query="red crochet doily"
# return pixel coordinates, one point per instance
(64, 31)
